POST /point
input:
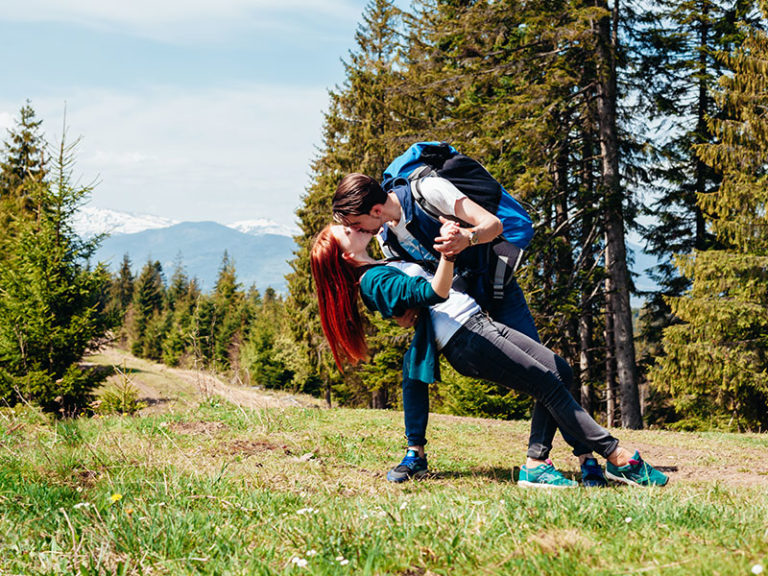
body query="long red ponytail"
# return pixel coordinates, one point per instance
(336, 285)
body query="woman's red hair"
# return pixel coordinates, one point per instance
(337, 288)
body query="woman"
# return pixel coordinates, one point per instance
(453, 324)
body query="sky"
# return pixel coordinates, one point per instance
(187, 109)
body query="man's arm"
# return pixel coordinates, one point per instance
(484, 227)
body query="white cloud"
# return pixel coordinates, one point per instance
(181, 19)
(218, 154)
(6, 121)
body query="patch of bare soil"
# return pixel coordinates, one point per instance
(195, 428)
(749, 467)
(210, 384)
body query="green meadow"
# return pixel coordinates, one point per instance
(197, 484)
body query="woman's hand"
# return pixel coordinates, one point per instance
(452, 240)
(408, 320)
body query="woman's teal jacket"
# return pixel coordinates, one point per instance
(391, 292)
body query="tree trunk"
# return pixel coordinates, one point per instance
(379, 398)
(585, 355)
(610, 365)
(564, 255)
(615, 250)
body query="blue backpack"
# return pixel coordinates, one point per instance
(425, 159)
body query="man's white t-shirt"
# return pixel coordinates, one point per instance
(439, 193)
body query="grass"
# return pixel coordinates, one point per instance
(212, 488)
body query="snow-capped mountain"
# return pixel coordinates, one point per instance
(92, 221)
(259, 248)
(263, 226)
(198, 247)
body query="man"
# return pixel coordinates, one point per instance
(407, 231)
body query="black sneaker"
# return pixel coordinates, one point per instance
(412, 466)
(592, 474)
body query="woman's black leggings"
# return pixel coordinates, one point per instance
(485, 349)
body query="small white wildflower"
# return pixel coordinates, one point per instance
(306, 511)
(502, 502)
(344, 562)
(757, 569)
(424, 507)
(339, 558)
(312, 552)
(628, 519)
(364, 516)
(300, 562)
(404, 505)
(82, 505)
(79, 489)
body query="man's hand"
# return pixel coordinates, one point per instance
(409, 319)
(452, 239)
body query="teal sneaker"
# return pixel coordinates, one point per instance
(412, 467)
(636, 473)
(592, 474)
(544, 476)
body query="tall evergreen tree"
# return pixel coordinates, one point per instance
(24, 154)
(230, 315)
(181, 298)
(23, 167)
(121, 292)
(677, 69)
(147, 310)
(51, 301)
(716, 363)
(263, 355)
(357, 137)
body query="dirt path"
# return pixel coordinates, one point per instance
(162, 387)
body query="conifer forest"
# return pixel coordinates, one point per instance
(607, 120)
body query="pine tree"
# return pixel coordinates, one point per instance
(265, 354)
(677, 68)
(147, 311)
(181, 299)
(24, 155)
(51, 301)
(716, 363)
(358, 136)
(23, 167)
(120, 295)
(230, 316)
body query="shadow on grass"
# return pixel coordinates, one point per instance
(152, 402)
(494, 473)
(109, 370)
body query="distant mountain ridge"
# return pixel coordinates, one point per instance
(260, 256)
(261, 249)
(90, 221)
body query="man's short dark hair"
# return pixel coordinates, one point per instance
(356, 195)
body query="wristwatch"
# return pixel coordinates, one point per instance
(473, 238)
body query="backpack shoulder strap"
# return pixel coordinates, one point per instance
(418, 195)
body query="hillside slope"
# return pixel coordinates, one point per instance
(201, 482)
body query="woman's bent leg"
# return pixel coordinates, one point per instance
(485, 349)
